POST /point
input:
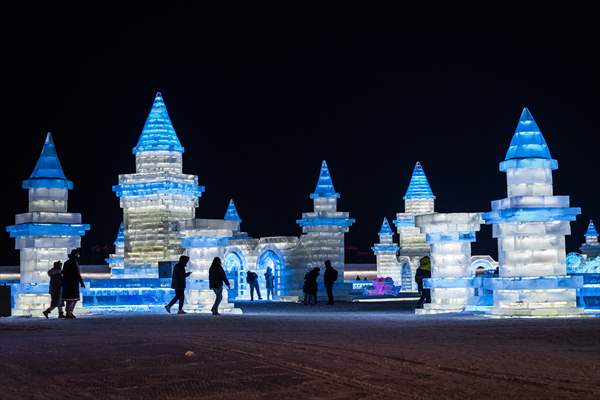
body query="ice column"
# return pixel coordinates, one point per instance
(324, 228)
(418, 200)
(530, 225)
(156, 196)
(385, 251)
(591, 247)
(450, 236)
(47, 233)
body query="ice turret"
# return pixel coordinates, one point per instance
(385, 252)
(116, 260)
(324, 187)
(418, 188)
(591, 247)
(47, 233)
(530, 225)
(231, 213)
(158, 133)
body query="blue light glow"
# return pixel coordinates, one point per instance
(385, 228)
(154, 188)
(120, 235)
(528, 141)
(591, 230)
(540, 214)
(450, 237)
(341, 221)
(533, 283)
(48, 172)
(231, 213)
(201, 241)
(324, 184)
(47, 230)
(158, 133)
(419, 186)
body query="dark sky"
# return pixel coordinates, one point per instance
(259, 96)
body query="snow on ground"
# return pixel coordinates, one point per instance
(291, 351)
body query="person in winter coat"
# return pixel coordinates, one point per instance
(252, 280)
(329, 277)
(71, 281)
(310, 286)
(55, 290)
(270, 283)
(423, 272)
(216, 278)
(178, 283)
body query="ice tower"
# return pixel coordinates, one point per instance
(47, 233)
(418, 200)
(385, 251)
(591, 247)
(116, 260)
(530, 225)
(157, 196)
(324, 228)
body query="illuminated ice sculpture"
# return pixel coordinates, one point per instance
(385, 252)
(530, 226)
(450, 236)
(45, 234)
(116, 261)
(591, 247)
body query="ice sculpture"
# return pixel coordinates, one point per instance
(385, 252)
(156, 196)
(418, 200)
(116, 260)
(450, 236)
(45, 234)
(530, 225)
(591, 247)
(324, 228)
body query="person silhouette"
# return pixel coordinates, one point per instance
(270, 283)
(329, 278)
(178, 283)
(216, 278)
(71, 281)
(252, 280)
(55, 290)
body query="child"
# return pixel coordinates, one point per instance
(55, 289)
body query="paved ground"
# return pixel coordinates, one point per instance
(358, 351)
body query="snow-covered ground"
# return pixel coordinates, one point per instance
(289, 351)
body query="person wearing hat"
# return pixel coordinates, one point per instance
(423, 272)
(71, 281)
(178, 283)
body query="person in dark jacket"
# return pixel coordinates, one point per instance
(55, 290)
(216, 278)
(269, 283)
(423, 272)
(178, 283)
(329, 277)
(252, 280)
(71, 281)
(310, 286)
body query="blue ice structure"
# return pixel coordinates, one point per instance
(450, 236)
(530, 226)
(44, 234)
(591, 247)
(385, 252)
(116, 261)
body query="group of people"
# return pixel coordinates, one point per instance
(65, 281)
(311, 286)
(252, 281)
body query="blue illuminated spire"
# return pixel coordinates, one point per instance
(48, 172)
(231, 214)
(158, 133)
(418, 187)
(385, 228)
(528, 141)
(324, 184)
(591, 230)
(121, 235)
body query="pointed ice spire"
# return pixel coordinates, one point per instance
(528, 141)
(158, 133)
(48, 171)
(121, 235)
(591, 230)
(231, 214)
(324, 184)
(385, 228)
(418, 188)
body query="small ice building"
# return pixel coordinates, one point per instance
(44, 234)
(591, 247)
(530, 226)
(385, 252)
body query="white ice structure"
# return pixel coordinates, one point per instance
(530, 225)
(450, 236)
(386, 253)
(44, 234)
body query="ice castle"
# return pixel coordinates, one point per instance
(44, 234)
(591, 247)
(530, 226)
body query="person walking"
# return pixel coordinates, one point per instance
(178, 283)
(423, 272)
(216, 278)
(71, 281)
(329, 277)
(55, 290)
(311, 286)
(252, 280)
(270, 283)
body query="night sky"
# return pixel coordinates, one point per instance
(259, 96)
